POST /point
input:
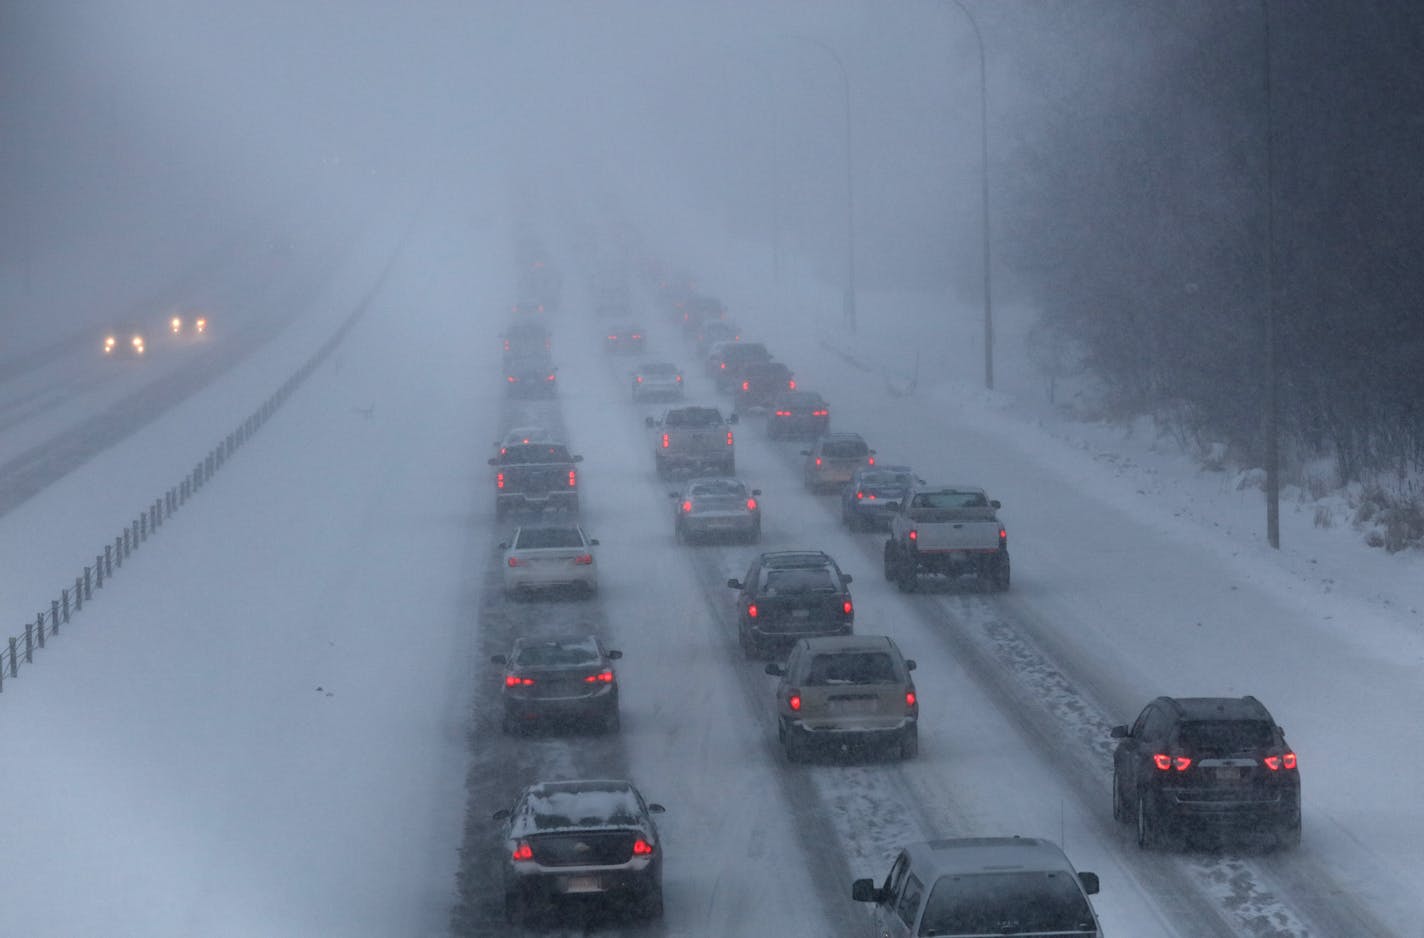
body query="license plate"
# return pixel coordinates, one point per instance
(1230, 774)
(800, 613)
(852, 706)
(582, 884)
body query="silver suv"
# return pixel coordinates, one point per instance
(1001, 886)
(848, 691)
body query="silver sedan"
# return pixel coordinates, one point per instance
(710, 507)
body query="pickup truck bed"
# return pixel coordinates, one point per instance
(950, 531)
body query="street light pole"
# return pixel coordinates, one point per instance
(984, 197)
(848, 300)
(1272, 415)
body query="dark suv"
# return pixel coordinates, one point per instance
(1216, 764)
(788, 595)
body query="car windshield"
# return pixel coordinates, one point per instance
(557, 654)
(693, 417)
(797, 580)
(1224, 737)
(851, 667)
(548, 537)
(526, 454)
(1006, 904)
(949, 499)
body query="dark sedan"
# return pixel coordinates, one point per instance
(873, 495)
(530, 377)
(554, 681)
(803, 414)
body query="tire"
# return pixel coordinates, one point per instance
(612, 722)
(1001, 573)
(679, 533)
(509, 726)
(1149, 826)
(906, 576)
(795, 747)
(516, 907)
(750, 649)
(1288, 836)
(889, 561)
(755, 536)
(910, 743)
(651, 906)
(1119, 810)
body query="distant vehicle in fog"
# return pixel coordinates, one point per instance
(656, 380)
(625, 338)
(187, 324)
(531, 377)
(125, 342)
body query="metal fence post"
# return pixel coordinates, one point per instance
(119, 548)
(142, 534)
(64, 597)
(134, 528)
(39, 628)
(106, 563)
(30, 642)
(14, 662)
(54, 612)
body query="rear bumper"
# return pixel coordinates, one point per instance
(777, 635)
(520, 578)
(1253, 809)
(852, 732)
(535, 710)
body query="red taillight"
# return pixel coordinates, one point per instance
(1288, 761)
(913, 535)
(751, 504)
(514, 680)
(847, 608)
(515, 562)
(1276, 763)
(499, 479)
(613, 338)
(1166, 762)
(723, 366)
(602, 677)
(511, 379)
(729, 438)
(583, 560)
(870, 461)
(573, 478)
(1003, 538)
(506, 345)
(783, 413)
(678, 379)
(791, 385)
(665, 441)
(550, 378)
(859, 495)
(820, 413)
(818, 460)
(637, 335)
(746, 385)
(641, 848)
(523, 853)
(794, 700)
(752, 611)
(910, 700)
(687, 508)
(639, 379)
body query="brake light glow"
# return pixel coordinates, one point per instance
(751, 504)
(723, 366)
(746, 385)
(639, 379)
(678, 379)
(1276, 763)
(820, 413)
(687, 507)
(729, 438)
(818, 460)
(583, 560)
(523, 853)
(791, 384)
(859, 496)
(641, 848)
(783, 413)
(573, 478)
(515, 680)
(910, 699)
(511, 379)
(506, 345)
(550, 378)
(1166, 763)
(665, 441)
(499, 479)
(794, 700)
(870, 461)
(515, 562)
(752, 611)
(1003, 537)
(602, 677)
(847, 608)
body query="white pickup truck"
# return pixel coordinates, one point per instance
(951, 530)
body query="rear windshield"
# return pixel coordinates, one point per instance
(1007, 904)
(850, 449)
(556, 654)
(950, 499)
(1224, 737)
(746, 351)
(798, 580)
(886, 479)
(693, 417)
(526, 454)
(548, 537)
(854, 667)
(555, 809)
(659, 369)
(719, 487)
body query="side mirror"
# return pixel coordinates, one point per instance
(756, 492)
(733, 419)
(504, 545)
(1120, 732)
(503, 815)
(774, 669)
(614, 654)
(499, 659)
(846, 578)
(734, 584)
(805, 452)
(655, 808)
(994, 503)
(1090, 883)
(578, 458)
(494, 460)
(910, 664)
(673, 494)
(593, 542)
(863, 890)
(649, 421)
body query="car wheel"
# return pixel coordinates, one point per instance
(516, 909)
(906, 576)
(1001, 574)
(1149, 826)
(509, 726)
(1288, 837)
(652, 904)
(889, 561)
(750, 649)
(612, 722)
(755, 536)
(1119, 812)
(795, 747)
(679, 533)
(910, 742)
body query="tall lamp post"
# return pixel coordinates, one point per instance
(848, 301)
(1272, 415)
(984, 197)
